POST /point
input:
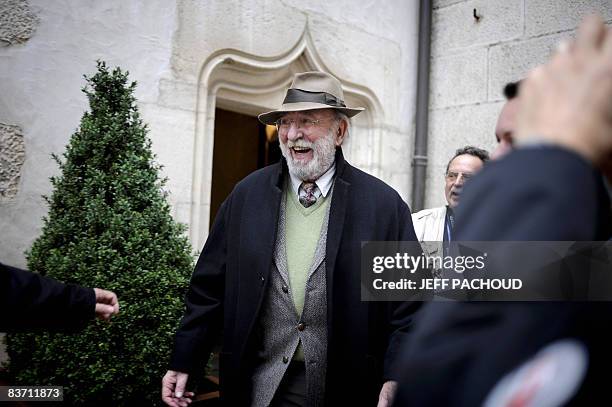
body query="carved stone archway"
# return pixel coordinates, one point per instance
(250, 84)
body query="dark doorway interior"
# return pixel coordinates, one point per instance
(242, 145)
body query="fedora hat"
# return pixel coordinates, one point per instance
(308, 91)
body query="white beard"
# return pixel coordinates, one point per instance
(323, 155)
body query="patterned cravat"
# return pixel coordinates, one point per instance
(308, 193)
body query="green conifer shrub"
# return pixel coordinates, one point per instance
(109, 226)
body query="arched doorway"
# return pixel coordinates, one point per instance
(235, 83)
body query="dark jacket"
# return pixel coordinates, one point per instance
(462, 350)
(29, 301)
(229, 281)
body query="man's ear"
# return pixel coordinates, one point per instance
(341, 132)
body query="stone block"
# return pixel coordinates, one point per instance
(17, 22)
(459, 79)
(368, 60)
(177, 94)
(552, 16)
(360, 146)
(172, 134)
(445, 3)
(181, 211)
(12, 157)
(455, 27)
(265, 28)
(396, 151)
(451, 129)
(512, 61)
(20, 223)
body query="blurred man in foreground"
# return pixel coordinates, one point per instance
(549, 354)
(506, 122)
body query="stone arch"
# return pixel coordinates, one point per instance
(251, 84)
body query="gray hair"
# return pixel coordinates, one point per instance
(340, 117)
(483, 155)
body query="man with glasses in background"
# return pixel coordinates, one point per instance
(436, 224)
(280, 272)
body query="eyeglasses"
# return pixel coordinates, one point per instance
(303, 123)
(452, 176)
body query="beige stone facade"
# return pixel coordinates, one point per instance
(191, 58)
(472, 60)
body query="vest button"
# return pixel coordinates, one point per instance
(285, 289)
(301, 326)
(285, 359)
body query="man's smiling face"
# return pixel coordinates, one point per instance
(308, 141)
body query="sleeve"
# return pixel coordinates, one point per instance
(202, 320)
(30, 301)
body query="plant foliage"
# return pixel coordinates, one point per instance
(109, 226)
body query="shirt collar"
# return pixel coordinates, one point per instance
(324, 182)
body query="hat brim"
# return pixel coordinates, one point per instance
(270, 118)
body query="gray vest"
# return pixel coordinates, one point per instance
(277, 327)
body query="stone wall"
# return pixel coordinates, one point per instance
(473, 58)
(17, 22)
(12, 156)
(166, 46)
(41, 81)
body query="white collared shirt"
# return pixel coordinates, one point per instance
(324, 182)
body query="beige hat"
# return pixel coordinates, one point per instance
(308, 91)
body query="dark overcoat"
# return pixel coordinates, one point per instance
(229, 282)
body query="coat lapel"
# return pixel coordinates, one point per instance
(335, 227)
(280, 250)
(264, 227)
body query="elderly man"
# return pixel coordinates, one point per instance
(436, 224)
(280, 272)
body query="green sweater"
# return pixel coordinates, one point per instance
(302, 232)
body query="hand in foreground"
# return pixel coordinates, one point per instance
(387, 394)
(107, 304)
(568, 101)
(173, 389)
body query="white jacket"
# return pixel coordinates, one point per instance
(429, 227)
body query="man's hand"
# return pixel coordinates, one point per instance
(387, 394)
(173, 389)
(568, 101)
(107, 304)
